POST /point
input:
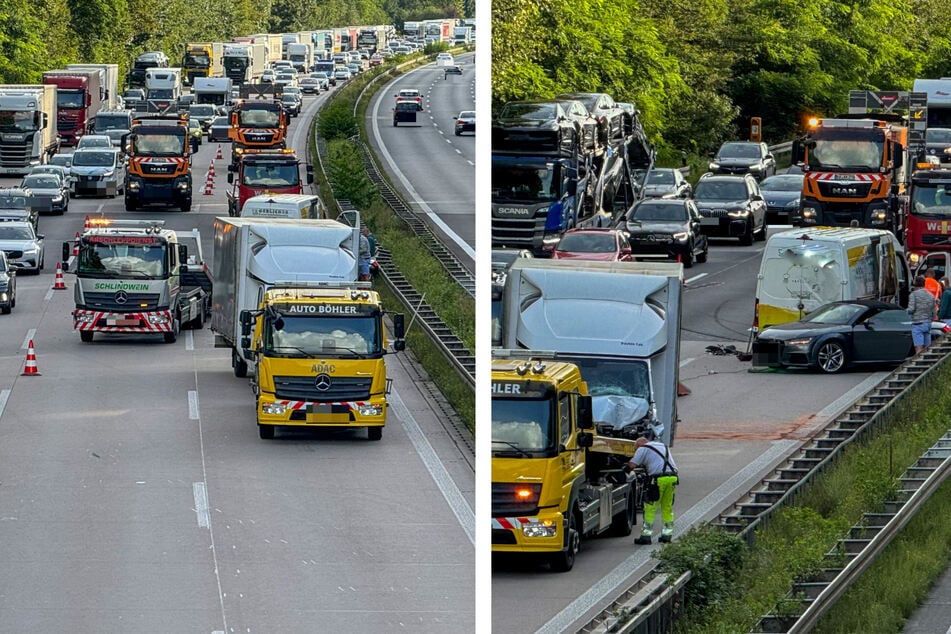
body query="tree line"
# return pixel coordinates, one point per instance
(41, 35)
(699, 69)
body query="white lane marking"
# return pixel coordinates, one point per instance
(30, 334)
(201, 504)
(189, 340)
(686, 361)
(409, 187)
(457, 503)
(610, 583)
(193, 405)
(4, 395)
(458, 151)
(695, 278)
(470, 162)
(49, 294)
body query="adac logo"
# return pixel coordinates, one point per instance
(323, 368)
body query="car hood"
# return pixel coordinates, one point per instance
(546, 124)
(18, 245)
(721, 204)
(655, 227)
(736, 161)
(799, 329)
(90, 170)
(599, 257)
(43, 191)
(780, 197)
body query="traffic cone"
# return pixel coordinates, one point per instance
(219, 152)
(59, 283)
(30, 368)
(87, 224)
(211, 168)
(682, 390)
(76, 246)
(209, 185)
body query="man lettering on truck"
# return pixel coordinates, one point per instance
(654, 457)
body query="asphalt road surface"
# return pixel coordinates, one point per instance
(136, 496)
(432, 167)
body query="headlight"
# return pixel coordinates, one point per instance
(276, 409)
(808, 213)
(370, 409)
(86, 318)
(539, 529)
(878, 216)
(57, 199)
(158, 318)
(681, 237)
(793, 203)
(739, 213)
(805, 341)
(714, 166)
(32, 251)
(133, 186)
(109, 174)
(183, 185)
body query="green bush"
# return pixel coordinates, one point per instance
(350, 180)
(336, 121)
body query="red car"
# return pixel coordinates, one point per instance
(605, 245)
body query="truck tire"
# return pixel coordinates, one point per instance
(266, 432)
(239, 365)
(130, 205)
(623, 523)
(565, 560)
(86, 336)
(374, 433)
(186, 205)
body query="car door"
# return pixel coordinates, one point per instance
(699, 238)
(884, 336)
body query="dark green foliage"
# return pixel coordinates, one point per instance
(337, 121)
(713, 555)
(348, 176)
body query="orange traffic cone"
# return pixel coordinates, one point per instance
(209, 185)
(59, 283)
(87, 223)
(219, 152)
(30, 368)
(211, 168)
(682, 390)
(76, 246)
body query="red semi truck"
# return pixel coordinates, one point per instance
(272, 171)
(79, 96)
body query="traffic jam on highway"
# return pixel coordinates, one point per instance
(591, 298)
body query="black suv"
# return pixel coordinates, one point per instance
(615, 122)
(731, 206)
(535, 126)
(665, 227)
(744, 157)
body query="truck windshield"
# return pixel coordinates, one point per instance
(161, 93)
(305, 336)
(270, 175)
(201, 110)
(845, 153)
(615, 377)
(523, 424)
(235, 63)
(123, 260)
(259, 118)
(197, 60)
(524, 184)
(931, 200)
(70, 98)
(159, 145)
(16, 121)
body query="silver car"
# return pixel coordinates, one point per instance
(97, 171)
(62, 160)
(22, 245)
(48, 192)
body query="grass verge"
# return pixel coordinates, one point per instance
(793, 542)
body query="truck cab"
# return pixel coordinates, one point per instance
(264, 171)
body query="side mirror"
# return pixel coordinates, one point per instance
(245, 343)
(797, 152)
(245, 318)
(230, 175)
(182, 253)
(67, 251)
(585, 413)
(399, 328)
(310, 174)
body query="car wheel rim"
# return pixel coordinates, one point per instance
(831, 357)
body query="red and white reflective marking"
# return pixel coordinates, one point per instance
(843, 177)
(177, 160)
(512, 523)
(258, 130)
(298, 405)
(121, 322)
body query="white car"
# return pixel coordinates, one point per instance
(94, 140)
(286, 79)
(341, 74)
(268, 76)
(444, 59)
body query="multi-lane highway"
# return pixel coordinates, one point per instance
(734, 426)
(432, 167)
(136, 496)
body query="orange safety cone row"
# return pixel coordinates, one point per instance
(211, 168)
(59, 283)
(209, 186)
(30, 368)
(219, 152)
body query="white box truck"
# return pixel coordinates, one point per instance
(618, 321)
(212, 90)
(28, 131)
(301, 56)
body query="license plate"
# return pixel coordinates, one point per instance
(709, 221)
(122, 322)
(319, 408)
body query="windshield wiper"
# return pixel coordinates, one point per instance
(303, 352)
(521, 453)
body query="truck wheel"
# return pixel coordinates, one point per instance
(623, 522)
(186, 205)
(374, 433)
(199, 322)
(86, 336)
(239, 365)
(130, 205)
(266, 432)
(565, 560)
